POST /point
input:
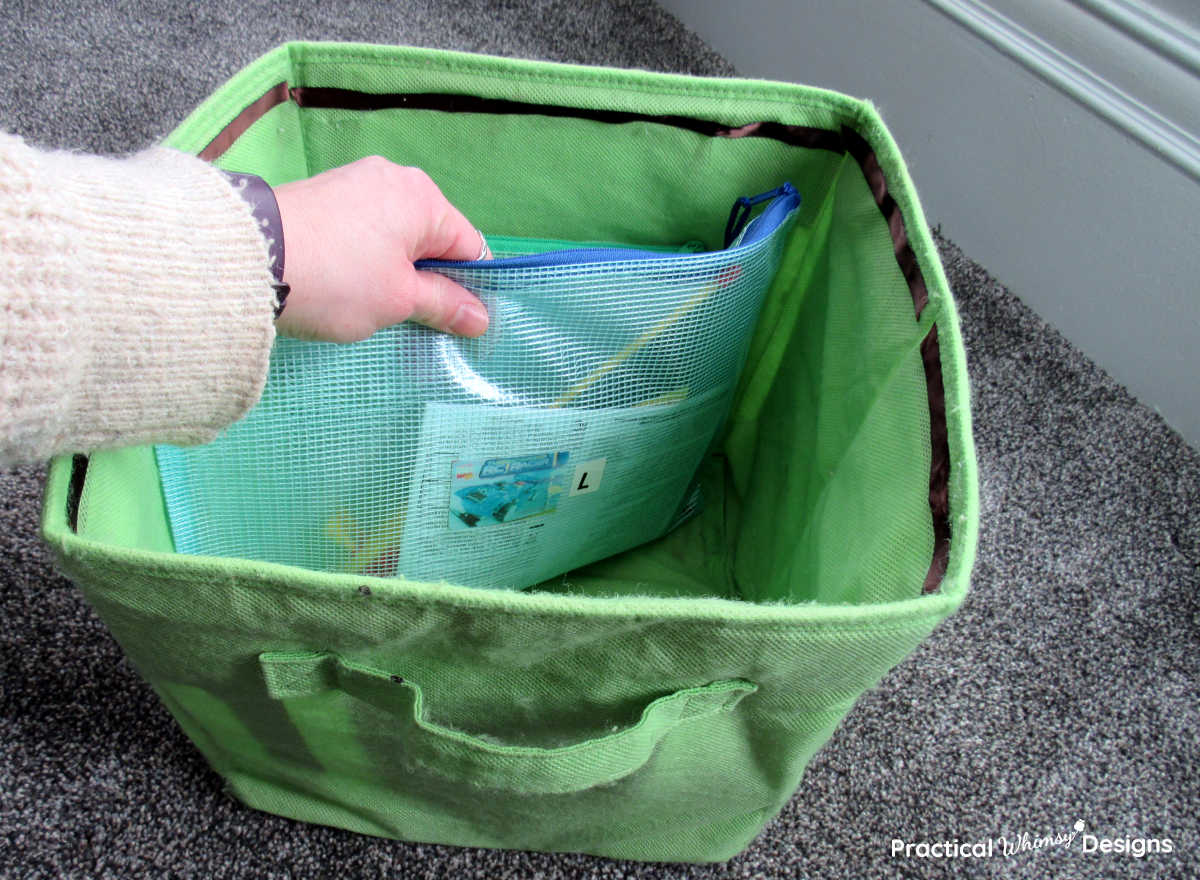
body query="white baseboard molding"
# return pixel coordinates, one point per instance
(1172, 38)
(1147, 87)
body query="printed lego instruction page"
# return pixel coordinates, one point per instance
(508, 497)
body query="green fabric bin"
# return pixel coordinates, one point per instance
(658, 705)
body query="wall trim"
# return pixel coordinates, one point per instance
(1170, 38)
(1169, 139)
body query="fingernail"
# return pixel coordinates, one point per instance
(471, 319)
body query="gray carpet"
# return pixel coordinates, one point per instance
(1064, 690)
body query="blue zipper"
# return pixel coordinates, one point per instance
(785, 200)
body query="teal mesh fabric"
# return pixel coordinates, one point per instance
(570, 431)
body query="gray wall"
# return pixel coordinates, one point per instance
(1058, 143)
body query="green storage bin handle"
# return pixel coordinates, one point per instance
(460, 756)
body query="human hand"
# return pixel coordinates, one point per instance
(351, 235)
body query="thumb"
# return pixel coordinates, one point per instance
(451, 236)
(443, 305)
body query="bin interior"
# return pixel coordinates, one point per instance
(821, 489)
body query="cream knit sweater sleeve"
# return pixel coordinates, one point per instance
(135, 301)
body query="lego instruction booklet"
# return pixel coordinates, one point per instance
(511, 496)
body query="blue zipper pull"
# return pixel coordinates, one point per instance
(740, 214)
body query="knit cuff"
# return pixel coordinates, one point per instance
(150, 318)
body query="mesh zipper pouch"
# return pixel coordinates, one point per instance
(569, 432)
(788, 411)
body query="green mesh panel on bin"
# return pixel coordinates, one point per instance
(569, 432)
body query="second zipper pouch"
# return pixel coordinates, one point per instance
(571, 430)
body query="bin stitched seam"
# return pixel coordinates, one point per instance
(816, 629)
(352, 595)
(736, 87)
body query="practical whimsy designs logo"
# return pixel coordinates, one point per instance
(1024, 842)
(1135, 847)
